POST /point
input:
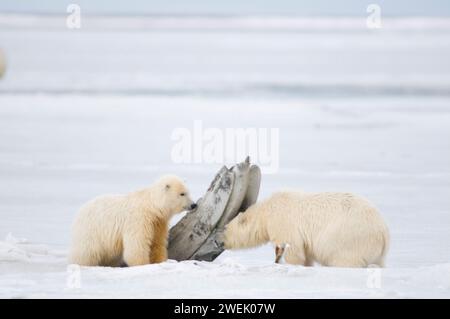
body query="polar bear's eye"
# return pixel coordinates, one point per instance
(182, 194)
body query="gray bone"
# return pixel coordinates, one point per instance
(198, 234)
(193, 229)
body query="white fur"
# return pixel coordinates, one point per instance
(333, 229)
(129, 228)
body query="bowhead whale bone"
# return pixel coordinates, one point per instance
(254, 182)
(194, 228)
(245, 194)
(198, 234)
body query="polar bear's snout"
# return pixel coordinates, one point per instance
(190, 206)
(189, 203)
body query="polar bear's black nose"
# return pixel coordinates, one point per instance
(193, 206)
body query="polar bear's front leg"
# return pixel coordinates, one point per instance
(158, 253)
(295, 256)
(158, 247)
(136, 250)
(158, 250)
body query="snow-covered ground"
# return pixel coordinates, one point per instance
(33, 271)
(92, 111)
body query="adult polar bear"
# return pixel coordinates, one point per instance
(130, 228)
(333, 229)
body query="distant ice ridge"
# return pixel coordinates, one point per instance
(231, 22)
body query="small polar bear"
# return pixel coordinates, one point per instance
(133, 228)
(332, 229)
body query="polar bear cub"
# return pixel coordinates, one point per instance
(132, 228)
(332, 229)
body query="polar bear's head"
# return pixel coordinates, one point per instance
(173, 195)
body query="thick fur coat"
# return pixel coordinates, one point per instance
(332, 229)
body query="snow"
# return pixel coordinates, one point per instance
(40, 273)
(357, 111)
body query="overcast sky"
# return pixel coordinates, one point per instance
(298, 7)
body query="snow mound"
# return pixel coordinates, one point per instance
(14, 249)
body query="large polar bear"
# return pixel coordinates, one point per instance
(332, 229)
(132, 228)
